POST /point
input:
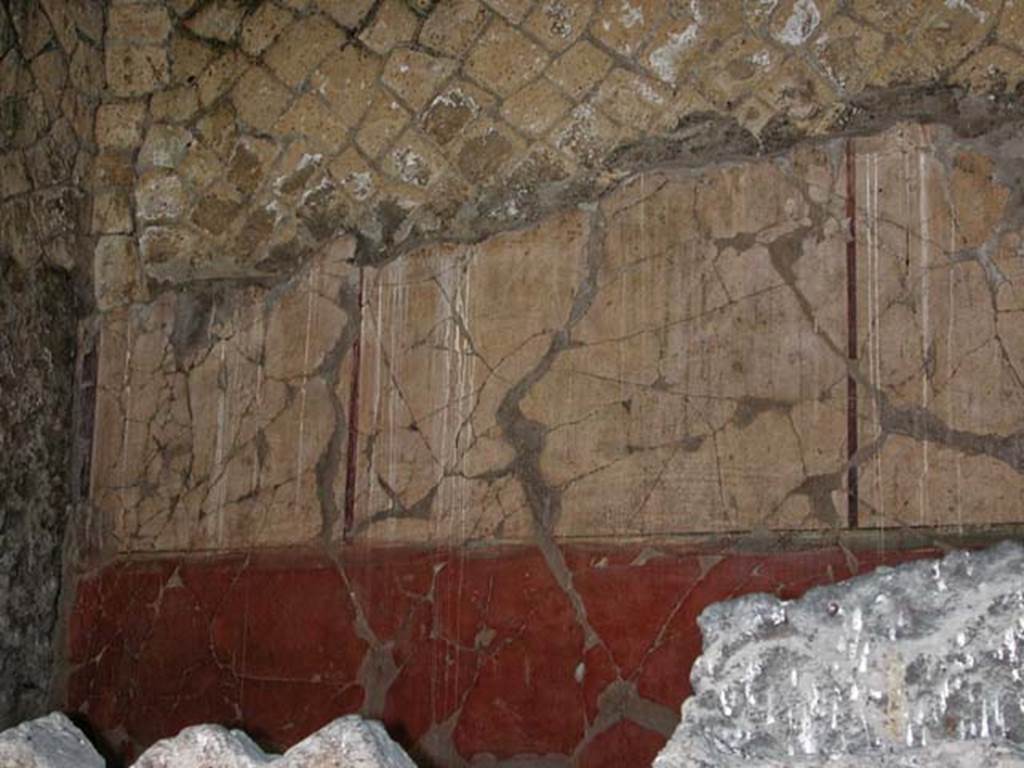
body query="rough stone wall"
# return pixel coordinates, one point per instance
(37, 322)
(239, 137)
(51, 78)
(50, 75)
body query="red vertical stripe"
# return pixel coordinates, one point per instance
(351, 455)
(852, 496)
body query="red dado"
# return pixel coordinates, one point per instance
(460, 654)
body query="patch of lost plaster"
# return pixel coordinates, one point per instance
(248, 144)
(54, 742)
(916, 665)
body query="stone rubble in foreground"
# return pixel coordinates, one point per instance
(919, 665)
(52, 741)
(348, 742)
(963, 754)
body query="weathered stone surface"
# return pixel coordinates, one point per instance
(111, 213)
(263, 27)
(37, 337)
(138, 22)
(518, 79)
(218, 20)
(301, 47)
(348, 741)
(51, 75)
(923, 655)
(47, 742)
(504, 59)
(393, 25)
(134, 70)
(204, 745)
(961, 754)
(452, 27)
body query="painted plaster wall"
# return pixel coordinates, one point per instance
(697, 353)
(475, 656)
(452, 356)
(483, 491)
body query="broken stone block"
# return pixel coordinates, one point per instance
(204, 745)
(47, 742)
(915, 665)
(348, 741)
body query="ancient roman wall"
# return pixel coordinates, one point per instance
(453, 356)
(51, 74)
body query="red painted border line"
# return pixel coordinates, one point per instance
(351, 454)
(852, 492)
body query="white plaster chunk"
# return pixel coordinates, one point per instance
(919, 665)
(52, 741)
(348, 742)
